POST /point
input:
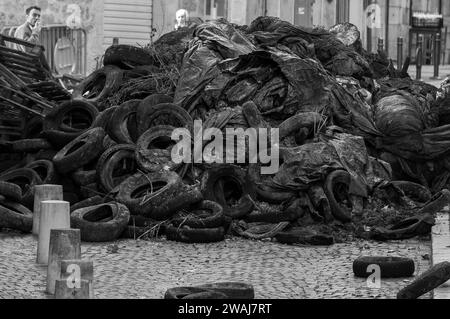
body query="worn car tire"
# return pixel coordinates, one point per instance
(153, 150)
(127, 56)
(206, 214)
(133, 192)
(104, 169)
(193, 293)
(83, 178)
(46, 171)
(429, 280)
(177, 117)
(103, 119)
(191, 235)
(11, 191)
(414, 191)
(391, 267)
(149, 103)
(81, 151)
(238, 185)
(26, 179)
(90, 202)
(233, 290)
(31, 145)
(16, 217)
(333, 180)
(102, 223)
(105, 80)
(123, 124)
(81, 109)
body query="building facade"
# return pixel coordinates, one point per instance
(140, 21)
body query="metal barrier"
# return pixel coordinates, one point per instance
(400, 53)
(436, 56)
(419, 58)
(50, 36)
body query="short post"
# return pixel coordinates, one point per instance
(54, 215)
(43, 193)
(419, 58)
(76, 270)
(64, 244)
(437, 56)
(64, 289)
(399, 53)
(380, 45)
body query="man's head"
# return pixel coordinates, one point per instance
(33, 15)
(182, 17)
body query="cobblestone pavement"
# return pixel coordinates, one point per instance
(147, 269)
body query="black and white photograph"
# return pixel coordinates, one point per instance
(223, 156)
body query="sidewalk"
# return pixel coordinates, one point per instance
(428, 72)
(441, 249)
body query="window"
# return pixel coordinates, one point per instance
(215, 9)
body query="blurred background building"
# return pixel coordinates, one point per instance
(142, 21)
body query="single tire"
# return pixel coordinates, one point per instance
(163, 114)
(145, 194)
(11, 191)
(192, 293)
(127, 56)
(154, 150)
(46, 171)
(221, 183)
(90, 202)
(233, 290)
(149, 103)
(108, 176)
(103, 119)
(84, 178)
(190, 235)
(102, 223)
(100, 84)
(31, 145)
(26, 179)
(414, 191)
(105, 172)
(390, 267)
(46, 155)
(429, 280)
(335, 179)
(123, 124)
(16, 218)
(84, 111)
(206, 214)
(80, 152)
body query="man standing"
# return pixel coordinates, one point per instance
(182, 17)
(30, 31)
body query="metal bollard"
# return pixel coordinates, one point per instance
(380, 45)
(64, 244)
(399, 53)
(437, 56)
(419, 58)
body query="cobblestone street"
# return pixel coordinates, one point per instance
(145, 270)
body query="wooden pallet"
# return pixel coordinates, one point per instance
(30, 66)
